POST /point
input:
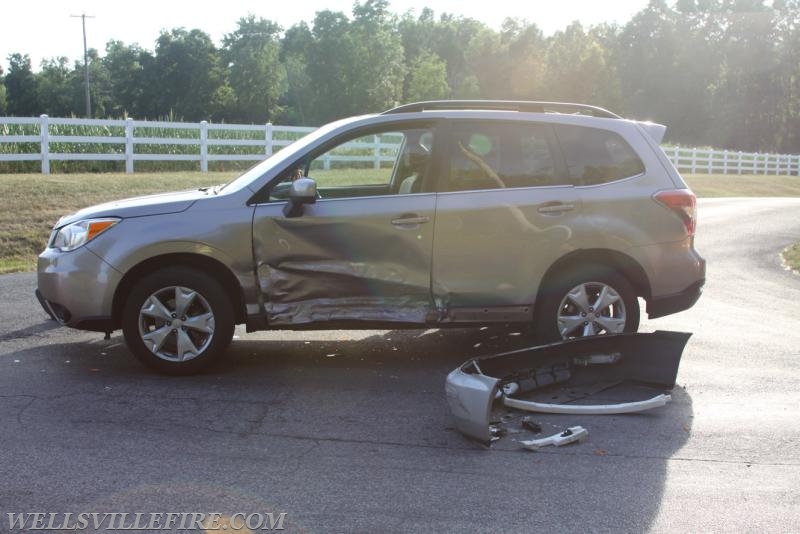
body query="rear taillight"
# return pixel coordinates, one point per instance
(682, 203)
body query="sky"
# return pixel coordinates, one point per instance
(45, 29)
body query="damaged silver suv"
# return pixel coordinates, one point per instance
(434, 214)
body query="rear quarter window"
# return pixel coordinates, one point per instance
(595, 156)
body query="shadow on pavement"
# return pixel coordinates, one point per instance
(372, 410)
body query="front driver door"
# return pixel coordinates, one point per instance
(362, 252)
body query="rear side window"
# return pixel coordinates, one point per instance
(597, 156)
(487, 155)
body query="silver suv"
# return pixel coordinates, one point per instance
(435, 214)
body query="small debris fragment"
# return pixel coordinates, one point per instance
(571, 435)
(476, 345)
(103, 354)
(600, 452)
(530, 424)
(484, 328)
(67, 361)
(16, 361)
(331, 355)
(94, 370)
(515, 334)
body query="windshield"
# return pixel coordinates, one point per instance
(284, 155)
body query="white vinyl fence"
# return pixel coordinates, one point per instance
(44, 139)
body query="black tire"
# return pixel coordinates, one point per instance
(185, 349)
(554, 303)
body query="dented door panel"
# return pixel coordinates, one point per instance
(355, 259)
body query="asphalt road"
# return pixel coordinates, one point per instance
(349, 431)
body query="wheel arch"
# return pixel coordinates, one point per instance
(198, 262)
(617, 261)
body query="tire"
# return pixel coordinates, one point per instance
(568, 305)
(178, 321)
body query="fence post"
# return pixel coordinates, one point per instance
(44, 132)
(376, 152)
(203, 146)
(725, 162)
(694, 161)
(128, 145)
(711, 155)
(268, 142)
(739, 164)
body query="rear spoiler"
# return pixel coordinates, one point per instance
(655, 131)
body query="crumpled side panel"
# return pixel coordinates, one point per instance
(335, 263)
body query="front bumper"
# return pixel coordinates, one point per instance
(77, 288)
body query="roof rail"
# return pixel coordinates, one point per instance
(504, 105)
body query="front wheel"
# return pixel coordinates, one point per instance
(584, 303)
(178, 321)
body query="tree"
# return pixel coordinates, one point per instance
(125, 65)
(100, 86)
(294, 53)
(257, 77)
(787, 78)
(451, 35)
(526, 55)
(186, 77)
(745, 95)
(353, 66)
(54, 87)
(576, 66)
(328, 64)
(22, 94)
(377, 69)
(2, 93)
(487, 56)
(427, 78)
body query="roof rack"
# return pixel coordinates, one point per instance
(504, 105)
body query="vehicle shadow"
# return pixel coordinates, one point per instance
(370, 405)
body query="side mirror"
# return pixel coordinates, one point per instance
(302, 191)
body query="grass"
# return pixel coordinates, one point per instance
(731, 185)
(792, 257)
(31, 203)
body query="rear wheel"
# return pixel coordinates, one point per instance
(178, 321)
(586, 302)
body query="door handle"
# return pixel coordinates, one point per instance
(555, 208)
(410, 220)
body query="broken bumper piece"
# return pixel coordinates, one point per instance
(571, 435)
(594, 409)
(647, 359)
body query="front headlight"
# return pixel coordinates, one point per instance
(79, 233)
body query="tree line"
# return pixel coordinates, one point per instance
(722, 73)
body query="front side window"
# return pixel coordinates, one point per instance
(597, 156)
(380, 163)
(500, 155)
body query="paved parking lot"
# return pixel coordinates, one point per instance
(349, 431)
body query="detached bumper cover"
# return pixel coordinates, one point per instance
(648, 359)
